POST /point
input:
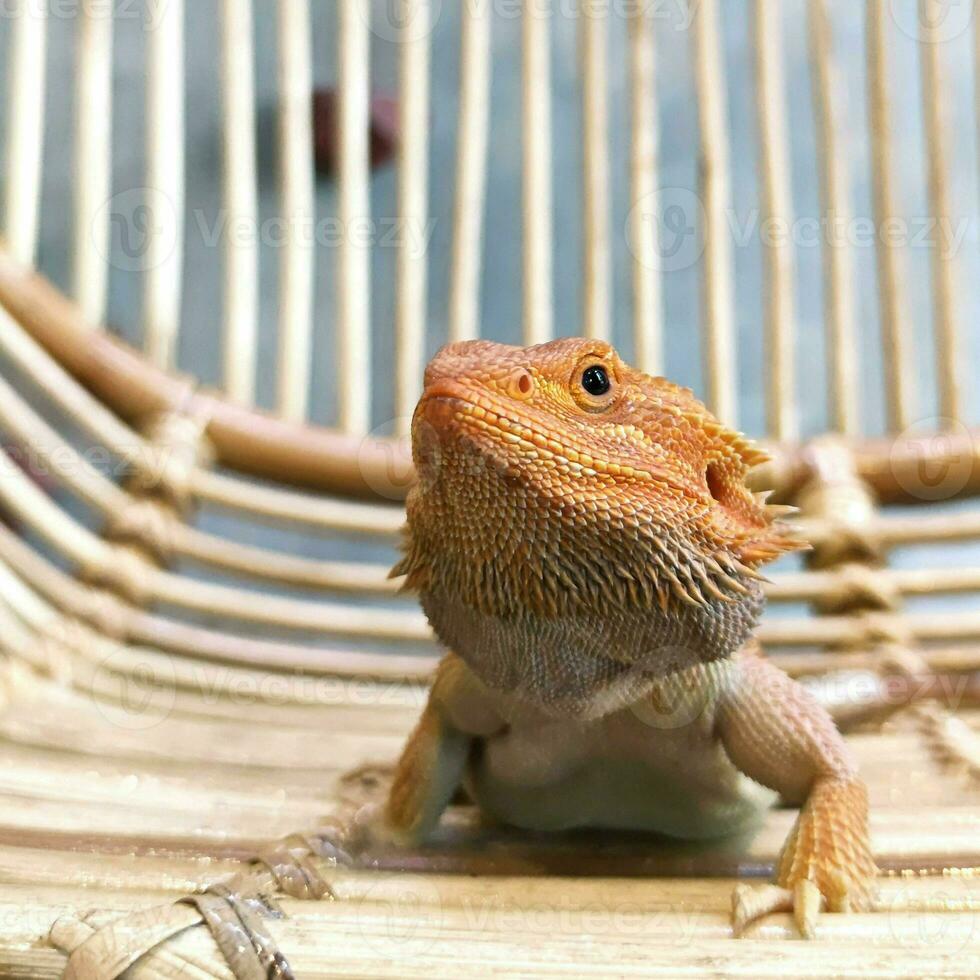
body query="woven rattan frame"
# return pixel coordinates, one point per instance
(155, 833)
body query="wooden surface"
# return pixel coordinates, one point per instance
(107, 809)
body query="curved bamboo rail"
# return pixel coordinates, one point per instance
(264, 445)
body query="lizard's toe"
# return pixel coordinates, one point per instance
(803, 898)
(753, 902)
(806, 907)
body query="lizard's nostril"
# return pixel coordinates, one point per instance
(521, 384)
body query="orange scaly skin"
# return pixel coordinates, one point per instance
(590, 560)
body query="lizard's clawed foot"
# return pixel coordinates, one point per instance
(825, 863)
(750, 903)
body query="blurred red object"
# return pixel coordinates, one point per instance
(383, 122)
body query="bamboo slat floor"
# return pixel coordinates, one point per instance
(103, 824)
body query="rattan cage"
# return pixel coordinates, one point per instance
(181, 706)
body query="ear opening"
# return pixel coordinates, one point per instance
(714, 476)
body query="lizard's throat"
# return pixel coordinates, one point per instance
(576, 662)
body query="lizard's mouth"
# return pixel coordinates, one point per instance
(452, 408)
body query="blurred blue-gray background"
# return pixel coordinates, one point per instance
(675, 109)
(199, 350)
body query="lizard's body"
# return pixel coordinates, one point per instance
(654, 764)
(582, 541)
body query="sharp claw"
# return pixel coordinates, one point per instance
(806, 907)
(751, 903)
(839, 894)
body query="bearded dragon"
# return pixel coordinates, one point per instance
(582, 541)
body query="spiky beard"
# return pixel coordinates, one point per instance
(558, 601)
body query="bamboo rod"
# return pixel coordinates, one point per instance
(935, 111)
(324, 938)
(647, 300)
(109, 615)
(868, 629)
(536, 149)
(354, 254)
(60, 460)
(114, 371)
(241, 269)
(471, 171)
(260, 445)
(777, 212)
(815, 585)
(52, 455)
(133, 624)
(597, 260)
(92, 175)
(56, 528)
(101, 561)
(273, 503)
(164, 197)
(25, 127)
(719, 328)
(104, 563)
(295, 327)
(890, 531)
(838, 266)
(891, 277)
(262, 502)
(410, 284)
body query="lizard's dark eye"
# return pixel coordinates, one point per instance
(595, 380)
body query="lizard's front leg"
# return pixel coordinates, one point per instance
(777, 734)
(433, 762)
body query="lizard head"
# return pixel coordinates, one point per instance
(557, 483)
